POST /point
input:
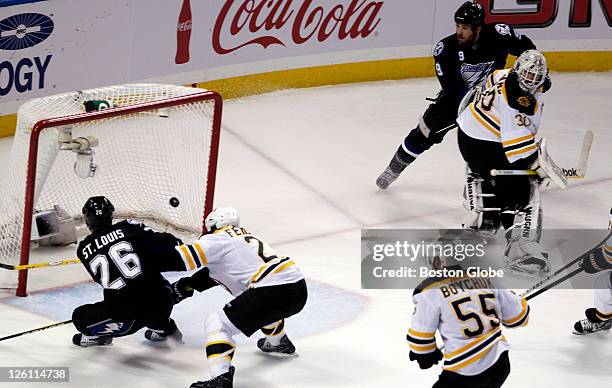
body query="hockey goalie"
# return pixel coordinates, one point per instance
(498, 125)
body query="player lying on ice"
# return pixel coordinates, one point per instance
(267, 288)
(127, 259)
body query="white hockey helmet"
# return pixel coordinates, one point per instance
(531, 69)
(220, 217)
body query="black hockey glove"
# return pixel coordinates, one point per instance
(181, 290)
(594, 261)
(427, 360)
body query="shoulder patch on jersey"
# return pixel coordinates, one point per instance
(503, 29)
(523, 101)
(438, 49)
(133, 222)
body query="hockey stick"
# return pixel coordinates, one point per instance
(53, 263)
(36, 330)
(551, 285)
(557, 272)
(577, 172)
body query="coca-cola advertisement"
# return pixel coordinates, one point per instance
(220, 32)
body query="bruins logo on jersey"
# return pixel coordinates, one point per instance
(523, 101)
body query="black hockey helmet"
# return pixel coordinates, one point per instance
(470, 13)
(98, 212)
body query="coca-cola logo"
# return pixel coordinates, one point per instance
(266, 18)
(184, 26)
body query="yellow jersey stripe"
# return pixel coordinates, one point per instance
(472, 344)
(259, 271)
(200, 253)
(421, 334)
(517, 140)
(520, 316)
(477, 357)
(187, 255)
(426, 348)
(521, 150)
(284, 266)
(484, 123)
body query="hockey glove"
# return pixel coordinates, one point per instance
(201, 280)
(181, 290)
(594, 261)
(427, 360)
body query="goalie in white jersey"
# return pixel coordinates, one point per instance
(599, 260)
(498, 127)
(468, 314)
(267, 288)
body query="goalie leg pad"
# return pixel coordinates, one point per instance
(481, 204)
(524, 255)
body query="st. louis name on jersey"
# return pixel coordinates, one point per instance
(129, 254)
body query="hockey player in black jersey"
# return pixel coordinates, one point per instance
(462, 61)
(127, 260)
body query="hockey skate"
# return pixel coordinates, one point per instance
(526, 258)
(163, 335)
(591, 324)
(223, 381)
(86, 341)
(585, 326)
(285, 346)
(386, 178)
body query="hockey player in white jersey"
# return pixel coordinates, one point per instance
(267, 288)
(468, 314)
(599, 260)
(498, 126)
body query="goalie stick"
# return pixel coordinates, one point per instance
(36, 330)
(53, 263)
(578, 172)
(557, 272)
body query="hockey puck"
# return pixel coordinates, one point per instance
(174, 202)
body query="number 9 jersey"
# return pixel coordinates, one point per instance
(468, 313)
(238, 261)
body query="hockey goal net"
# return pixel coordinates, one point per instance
(152, 152)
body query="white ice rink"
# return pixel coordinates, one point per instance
(300, 166)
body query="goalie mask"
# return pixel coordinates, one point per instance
(98, 212)
(531, 69)
(220, 217)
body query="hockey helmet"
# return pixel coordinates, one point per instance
(531, 69)
(470, 13)
(98, 212)
(220, 217)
